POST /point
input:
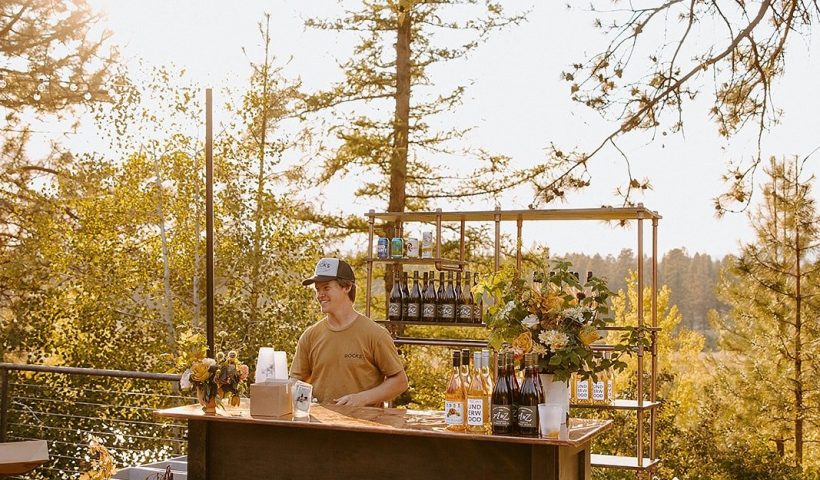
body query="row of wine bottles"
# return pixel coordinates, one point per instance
(475, 403)
(450, 302)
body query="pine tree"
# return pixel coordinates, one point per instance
(771, 334)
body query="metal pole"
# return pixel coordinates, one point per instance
(639, 308)
(497, 259)
(209, 220)
(4, 404)
(653, 392)
(371, 219)
(518, 241)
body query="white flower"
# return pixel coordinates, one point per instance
(209, 362)
(554, 339)
(538, 348)
(185, 380)
(506, 309)
(530, 321)
(575, 313)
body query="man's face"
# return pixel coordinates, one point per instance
(330, 295)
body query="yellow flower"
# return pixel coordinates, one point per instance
(523, 342)
(200, 372)
(588, 334)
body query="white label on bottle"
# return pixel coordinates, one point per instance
(465, 313)
(393, 309)
(453, 412)
(477, 313)
(582, 390)
(448, 311)
(475, 411)
(598, 391)
(413, 311)
(527, 416)
(429, 312)
(502, 416)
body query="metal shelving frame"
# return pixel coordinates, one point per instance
(639, 214)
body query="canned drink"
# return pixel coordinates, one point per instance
(383, 248)
(397, 248)
(412, 245)
(427, 245)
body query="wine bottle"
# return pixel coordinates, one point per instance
(501, 410)
(405, 298)
(414, 301)
(442, 289)
(449, 303)
(466, 377)
(428, 301)
(478, 307)
(454, 399)
(465, 301)
(528, 405)
(394, 305)
(476, 400)
(487, 386)
(515, 392)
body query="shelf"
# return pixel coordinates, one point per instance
(441, 342)
(619, 404)
(603, 213)
(431, 324)
(418, 261)
(622, 463)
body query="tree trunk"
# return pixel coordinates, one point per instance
(168, 300)
(401, 129)
(798, 325)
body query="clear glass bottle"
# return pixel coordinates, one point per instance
(454, 398)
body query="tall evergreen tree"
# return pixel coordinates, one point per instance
(771, 332)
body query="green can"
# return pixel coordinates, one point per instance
(396, 247)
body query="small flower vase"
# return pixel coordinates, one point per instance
(556, 392)
(208, 404)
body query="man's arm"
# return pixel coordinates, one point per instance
(389, 389)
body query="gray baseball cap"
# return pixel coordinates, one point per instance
(328, 269)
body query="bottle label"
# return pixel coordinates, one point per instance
(448, 311)
(475, 411)
(465, 313)
(413, 310)
(453, 412)
(502, 415)
(393, 310)
(582, 390)
(429, 312)
(477, 313)
(527, 416)
(598, 391)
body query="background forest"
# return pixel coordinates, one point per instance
(102, 253)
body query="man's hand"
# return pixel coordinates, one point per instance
(353, 399)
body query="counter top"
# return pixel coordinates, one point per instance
(422, 423)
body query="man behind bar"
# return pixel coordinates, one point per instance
(348, 358)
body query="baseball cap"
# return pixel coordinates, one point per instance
(328, 269)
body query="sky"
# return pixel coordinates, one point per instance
(516, 102)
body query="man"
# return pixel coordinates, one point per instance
(348, 358)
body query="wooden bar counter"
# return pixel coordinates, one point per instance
(339, 442)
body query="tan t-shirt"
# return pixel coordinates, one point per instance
(351, 360)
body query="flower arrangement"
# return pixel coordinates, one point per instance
(213, 379)
(555, 316)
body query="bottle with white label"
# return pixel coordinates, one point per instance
(454, 399)
(477, 400)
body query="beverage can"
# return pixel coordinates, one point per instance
(397, 248)
(427, 245)
(383, 248)
(412, 245)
